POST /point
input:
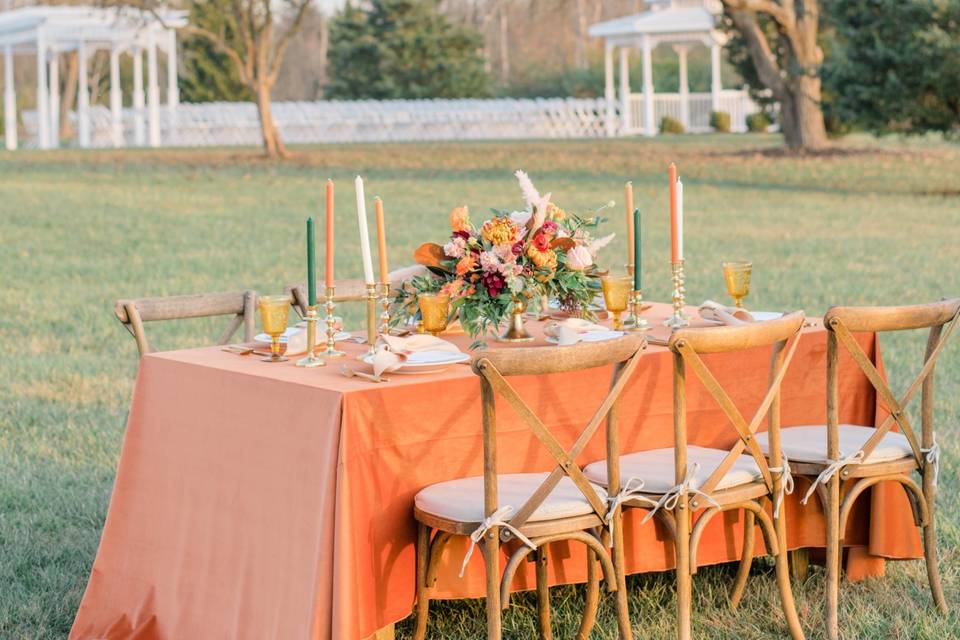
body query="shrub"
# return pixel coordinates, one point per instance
(720, 121)
(758, 123)
(671, 125)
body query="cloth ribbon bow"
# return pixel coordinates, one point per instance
(786, 484)
(393, 351)
(932, 456)
(496, 519)
(830, 470)
(669, 500)
(632, 489)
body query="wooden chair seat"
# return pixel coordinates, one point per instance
(808, 444)
(656, 469)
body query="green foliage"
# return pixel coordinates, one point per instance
(671, 125)
(896, 65)
(756, 122)
(720, 121)
(208, 75)
(403, 49)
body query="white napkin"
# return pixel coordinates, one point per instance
(571, 330)
(393, 351)
(723, 314)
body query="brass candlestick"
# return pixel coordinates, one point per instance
(385, 308)
(679, 318)
(371, 319)
(311, 359)
(634, 321)
(331, 350)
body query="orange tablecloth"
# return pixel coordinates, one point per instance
(258, 500)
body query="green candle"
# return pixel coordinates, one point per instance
(636, 250)
(311, 265)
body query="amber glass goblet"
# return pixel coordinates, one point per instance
(616, 296)
(434, 310)
(736, 274)
(273, 317)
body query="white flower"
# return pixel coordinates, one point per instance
(596, 245)
(579, 258)
(530, 193)
(520, 217)
(514, 284)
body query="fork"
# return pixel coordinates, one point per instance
(353, 373)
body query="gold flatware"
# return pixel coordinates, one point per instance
(353, 373)
(240, 350)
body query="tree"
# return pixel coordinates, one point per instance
(208, 74)
(403, 49)
(256, 48)
(781, 39)
(896, 65)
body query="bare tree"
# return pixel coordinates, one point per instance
(580, 47)
(795, 85)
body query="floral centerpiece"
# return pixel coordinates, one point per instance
(494, 269)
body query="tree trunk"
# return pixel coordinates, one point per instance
(580, 49)
(504, 46)
(68, 95)
(802, 115)
(272, 143)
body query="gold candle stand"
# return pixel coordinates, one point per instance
(372, 318)
(385, 308)
(634, 322)
(331, 350)
(311, 359)
(679, 318)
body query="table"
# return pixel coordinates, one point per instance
(257, 500)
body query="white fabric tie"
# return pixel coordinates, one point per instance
(830, 470)
(669, 500)
(786, 484)
(932, 456)
(631, 490)
(495, 519)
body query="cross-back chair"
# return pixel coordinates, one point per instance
(841, 461)
(344, 291)
(673, 483)
(533, 509)
(134, 312)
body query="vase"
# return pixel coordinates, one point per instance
(516, 332)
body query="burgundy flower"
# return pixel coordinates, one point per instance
(517, 248)
(549, 227)
(461, 234)
(494, 284)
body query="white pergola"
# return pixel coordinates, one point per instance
(680, 23)
(49, 31)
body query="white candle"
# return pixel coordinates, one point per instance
(680, 219)
(364, 233)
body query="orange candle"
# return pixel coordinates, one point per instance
(628, 198)
(329, 270)
(674, 236)
(381, 240)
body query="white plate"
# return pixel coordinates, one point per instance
(761, 316)
(425, 361)
(265, 339)
(593, 336)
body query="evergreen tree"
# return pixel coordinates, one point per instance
(209, 75)
(404, 49)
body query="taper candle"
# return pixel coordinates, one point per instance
(328, 275)
(311, 265)
(674, 246)
(679, 219)
(636, 250)
(628, 198)
(381, 240)
(364, 233)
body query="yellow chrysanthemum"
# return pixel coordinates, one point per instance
(543, 259)
(500, 231)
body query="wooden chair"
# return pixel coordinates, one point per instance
(535, 509)
(346, 291)
(841, 461)
(133, 313)
(675, 482)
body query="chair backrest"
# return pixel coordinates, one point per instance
(688, 345)
(344, 291)
(133, 313)
(841, 322)
(496, 365)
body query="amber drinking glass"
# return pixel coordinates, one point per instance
(273, 317)
(616, 295)
(434, 310)
(736, 274)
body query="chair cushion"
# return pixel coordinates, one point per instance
(462, 500)
(809, 443)
(655, 468)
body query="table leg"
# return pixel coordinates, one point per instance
(799, 564)
(386, 633)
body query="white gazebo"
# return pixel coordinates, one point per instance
(681, 24)
(48, 31)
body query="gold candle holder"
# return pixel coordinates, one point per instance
(372, 319)
(679, 318)
(634, 322)
(311, 359)
(385, 308)
(331, 350)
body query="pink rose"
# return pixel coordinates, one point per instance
(579, 258)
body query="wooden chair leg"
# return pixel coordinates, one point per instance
(746, 558)
(422, 591)
(684, 579)
(591, 598)
(783, 579)
(543, 595)
(799, 561)
(834, 553)
(930, 554)
(620, 575)
(490, 547)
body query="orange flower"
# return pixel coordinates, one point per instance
(460, 219)
(500, 231)
(555, 213)
(452, 288)
(543, 259)
(467, 263)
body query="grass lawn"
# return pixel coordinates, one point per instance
(873, 222)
